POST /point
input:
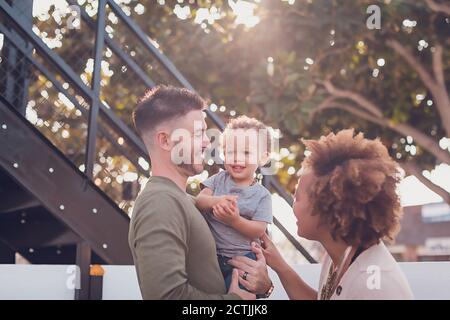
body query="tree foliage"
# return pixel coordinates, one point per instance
(305, 67)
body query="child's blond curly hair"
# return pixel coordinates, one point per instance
(247, 123)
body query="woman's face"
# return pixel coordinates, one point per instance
(307, 223)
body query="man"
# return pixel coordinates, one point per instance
(172, 246)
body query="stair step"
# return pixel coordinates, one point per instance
(76, 206)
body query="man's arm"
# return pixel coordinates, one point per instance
(160, 245)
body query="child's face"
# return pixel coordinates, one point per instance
(242, 157)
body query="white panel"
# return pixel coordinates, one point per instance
(428, 280)
(120, 283)
(310, 273)
(29, 282)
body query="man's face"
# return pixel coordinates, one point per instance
(190, 141)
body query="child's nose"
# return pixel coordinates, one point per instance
(239, 158)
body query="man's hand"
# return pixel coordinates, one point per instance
(234, 288)
(227, 210)
(257, 278)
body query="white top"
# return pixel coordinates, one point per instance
(373, 275)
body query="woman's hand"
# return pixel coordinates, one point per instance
(295, 287)
(256, 276)
(271, 254)
(234, 287)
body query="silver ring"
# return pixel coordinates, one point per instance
(245, 275)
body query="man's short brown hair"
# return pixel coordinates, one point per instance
(355, 194)
(164, 103)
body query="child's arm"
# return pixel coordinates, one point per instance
(252, 229)
(205, 199)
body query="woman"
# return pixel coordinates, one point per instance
(346, 199)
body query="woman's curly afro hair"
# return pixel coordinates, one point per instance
(355, 192)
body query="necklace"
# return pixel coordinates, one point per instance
(330, 285)
(325, 293)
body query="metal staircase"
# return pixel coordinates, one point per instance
(54, 208)
(48, 206)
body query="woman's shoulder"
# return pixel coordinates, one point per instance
(376, 275)
(376, 255)
(377, 285)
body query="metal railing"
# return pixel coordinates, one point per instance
(92, 92)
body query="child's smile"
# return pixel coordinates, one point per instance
(237, 168)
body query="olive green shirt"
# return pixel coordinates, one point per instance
(173, 249)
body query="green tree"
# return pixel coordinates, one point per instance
(305, 67)
(314, 66)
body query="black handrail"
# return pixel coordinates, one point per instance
(96, 80)
(116, 49)
(93, 93)
(72, 77)
(42, 69)
(166, 63)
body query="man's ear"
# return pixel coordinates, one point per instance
(163, 140)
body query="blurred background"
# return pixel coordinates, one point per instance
(303, 67)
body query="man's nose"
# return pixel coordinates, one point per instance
(206, 142)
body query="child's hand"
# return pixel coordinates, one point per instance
(227, 200)
(227, 212)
